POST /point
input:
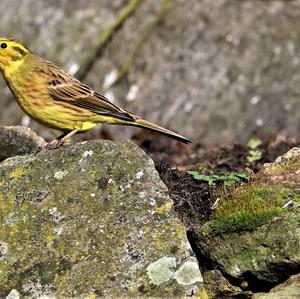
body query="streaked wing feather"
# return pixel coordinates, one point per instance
(64, 87)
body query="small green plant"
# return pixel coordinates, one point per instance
(254, 154)
(254, 143)
(228, 179)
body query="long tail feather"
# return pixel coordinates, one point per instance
(141, 123)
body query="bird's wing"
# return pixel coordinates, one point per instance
(65, 88)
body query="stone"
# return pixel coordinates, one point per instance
(188, 273)
(289, 289)
(216, 285)
(89, 220)
(253, 236)
(19, 141)
(13, 294)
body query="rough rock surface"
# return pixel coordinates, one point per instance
(217, 286)
(219, 66)
(89, 220)
(289, 289)
(255, 241)
(18, 141)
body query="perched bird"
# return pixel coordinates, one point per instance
(57, 99)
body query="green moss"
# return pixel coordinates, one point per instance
(264, 192)
(250, 256)
(243, 220)
(288, 194)
(247, 207)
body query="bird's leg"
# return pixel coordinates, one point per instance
(60, 139)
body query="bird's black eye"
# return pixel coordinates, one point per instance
(3, 45)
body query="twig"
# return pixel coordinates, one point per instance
(216, 203)
(289, 203)
(105, 37)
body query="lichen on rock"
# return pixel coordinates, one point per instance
(161, 270)
(89, 220)
(188, 273)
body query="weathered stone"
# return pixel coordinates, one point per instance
(216, 285)
(285, 170)
(19, 141)
(89, 220)
(254, 235)
(290, 289)
(13, 294)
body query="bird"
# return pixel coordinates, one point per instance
(58, 100)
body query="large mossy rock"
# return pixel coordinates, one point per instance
(253, 236)
(92, 219)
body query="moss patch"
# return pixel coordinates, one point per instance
(247, 207)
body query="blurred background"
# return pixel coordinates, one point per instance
(215, 71)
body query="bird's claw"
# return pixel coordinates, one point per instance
(54, 144)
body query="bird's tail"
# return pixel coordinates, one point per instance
(141, 123)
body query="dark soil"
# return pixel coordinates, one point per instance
(193, 199)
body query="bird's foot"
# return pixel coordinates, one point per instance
(54, 144)
(60, 140)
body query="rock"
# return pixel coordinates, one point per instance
(253, 236)
(220, 81)
(13, 294)
(289, 289)
(217, 286)
(285, 169)
(18, 141)
(91, 220)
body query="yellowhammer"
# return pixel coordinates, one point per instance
(57, 99)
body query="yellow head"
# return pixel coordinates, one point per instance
(12, 53)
